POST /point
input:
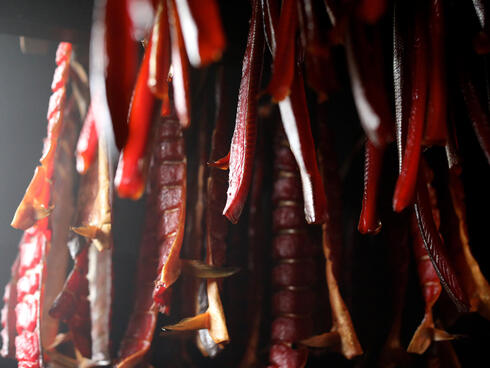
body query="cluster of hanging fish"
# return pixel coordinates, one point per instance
(277, 165)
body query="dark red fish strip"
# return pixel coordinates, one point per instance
(436, 129)
(406, 183)
(320, 73)
(296, 123)
(63, 306)
(130, 174)
(435, 246)
(294, 272)
(201, 19)
(369, 222)
(242, 148)
(121, 57)
(170, 189)
(161, 241)
(139, 333)
(284, 61)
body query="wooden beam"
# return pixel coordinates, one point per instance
(57, 20)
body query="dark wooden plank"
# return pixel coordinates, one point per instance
(55, 20)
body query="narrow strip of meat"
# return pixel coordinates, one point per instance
(436, 128)
(428, 228)
(204, 36)
(431, 289)
(412, 149)
(161, 242)
(342, 335)
(369, 222)
(295, 271)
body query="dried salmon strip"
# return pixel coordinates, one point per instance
(42, 250)
(159, 262)
(294, 272)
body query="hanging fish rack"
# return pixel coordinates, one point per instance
(377, 123)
